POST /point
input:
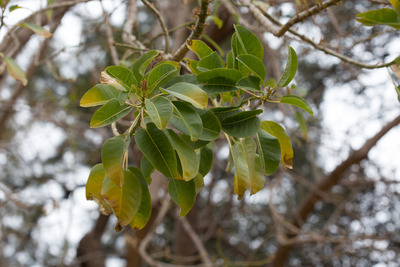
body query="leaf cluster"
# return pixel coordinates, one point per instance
(177, 118)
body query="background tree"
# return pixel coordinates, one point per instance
(337, 206)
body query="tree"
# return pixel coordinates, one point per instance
(155, 86)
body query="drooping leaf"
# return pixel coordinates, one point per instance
(36, 29)
(188, 157)
(383, 16)
(219, 80)
(211, 125)
(276, 130)
(257, 180)
(183, 193)
(99, 95)
(110, 112)
(298, 102)
(122, 75)
(142, 216)
(140, 65)
(125, 199)
(190, 93)
(199, 48)
(187, 120)
(15, 71)
(112, 155)
(242, 124)
(290, 69)
(241, 179)
(160, 111)
(206, 160)
(147, 169)
(254, 64)
(157, 148)
(302, 124)
(250, 43)
(210, 62)
(93, 188)
(249, 83)
(269, 150)
(161, 74)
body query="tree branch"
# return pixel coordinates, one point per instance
(307, 205)
(197, 31)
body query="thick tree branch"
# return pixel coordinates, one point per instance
(307, 205)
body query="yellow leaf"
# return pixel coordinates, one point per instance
(15, 71)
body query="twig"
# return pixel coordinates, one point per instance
(110, 38)
(162, 24)
(142, 247)
(196, 32)
(330, 51)
(196, 240)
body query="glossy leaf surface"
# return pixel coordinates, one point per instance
(183, 193)
(254, 64)
(160, 111)
(190, 93)
(122, 75)
(199, 48)
(242, 124)
(99, 95)
(187, 120)
(298, 102)
(269, 150)
(249, 41)
(161, 74)
(157, 148)
(109, 113)
(219, 80)
(112, 155)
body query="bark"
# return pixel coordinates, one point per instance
(306, 207)
(89, 252)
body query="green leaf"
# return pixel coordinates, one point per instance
(396, 5)
(183, 193)
(269, 150)
(15, 71)
(14, 7)
(143, 214)
(384, 16)
(194, 144)
(241, 179)
(94, 186)
(186, 120)
(249, 42)
(112, 155)
(302, 124)
(160, 111)
(199, 48)
(36, 29)
(254, 64)
(249, 83)
(257, 180)
(188, 157)
(157, 148)
(124, 200)
(122, 75)
(192, 64)
(188, 78)
(219, 80)
(211, 125)
(99, 95)
(276, 130)
(225, 112)
(190, 93)
(210, 62)
(110, 112)
(206, 161)
(230, 60)
(140, 65)
(242, 124)
(161, 74)
(147, 169)
(298, 102)
(290, 69)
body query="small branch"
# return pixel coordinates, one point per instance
(162, 24)
(196, 240)
(197, 31)
(142, 248)
(110, 38)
